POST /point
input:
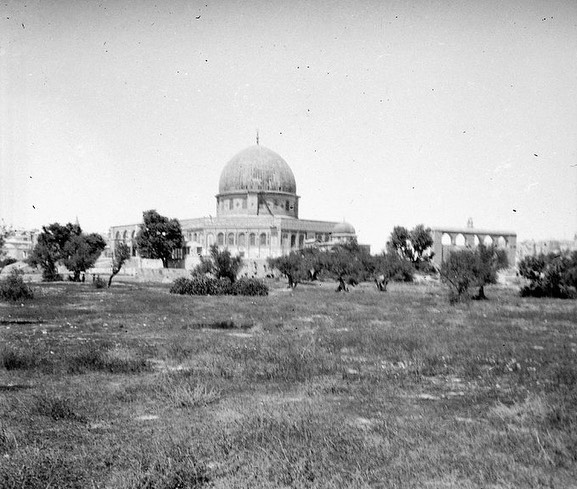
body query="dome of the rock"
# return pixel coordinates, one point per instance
(343, 228)
(257, 169)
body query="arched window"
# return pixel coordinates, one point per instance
(286, 206)
(488, 241)
(195, 237)
(301, 240)
(209, 239)
(446, 240)
(460, 240)
(252, 239)
(124, 235)
(262, 239)
(117, 237)
(476, 240)
(293, 240)
(502, 242)
(220, 239)
(132, 234)
(230, 239)
(242, 239)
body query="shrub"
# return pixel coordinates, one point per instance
(99, 283)
(549, 275)
(204, 285)
(249, 286)
(14, 288)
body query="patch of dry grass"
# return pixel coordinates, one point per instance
(322, 390)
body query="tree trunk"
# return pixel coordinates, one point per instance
(114, 272)
(481, 295)
(110, 279)
(342, 285)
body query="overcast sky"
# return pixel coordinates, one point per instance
(388, 112)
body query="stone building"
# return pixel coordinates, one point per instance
(19, 243)
(447, 239)
(257, 217)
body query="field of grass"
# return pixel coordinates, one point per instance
(133, 387)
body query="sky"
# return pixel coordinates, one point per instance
(388, 112)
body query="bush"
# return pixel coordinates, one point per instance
(51, 276)
(551, 275)
(14, 288)
(249, 286)
(203, 285)
(99, 283)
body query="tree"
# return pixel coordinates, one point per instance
(344, 263)
(473, 268)
(490, 260)
(293, 266)
(414, 246)
(81, 251)
(67, 245)
(390, 266)
(158, 237)
(220, 264)
(401, 242)
(551, 275)
(458, 270)
(121, 255)
(49, 248)
(421, 243)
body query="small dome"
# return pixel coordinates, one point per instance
(344, 228)
(257, 168)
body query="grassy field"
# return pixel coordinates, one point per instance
(133, 387)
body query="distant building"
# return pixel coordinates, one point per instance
(257, 217)
(532, 247)
(448, 239)
(18, 243)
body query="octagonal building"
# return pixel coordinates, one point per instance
(257, 217)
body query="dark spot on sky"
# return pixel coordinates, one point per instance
(23, 26)
(535, 154)
(33, 207)
(198, 17)
(514, 210)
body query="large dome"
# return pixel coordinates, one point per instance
(344, 228)
(259, 169)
